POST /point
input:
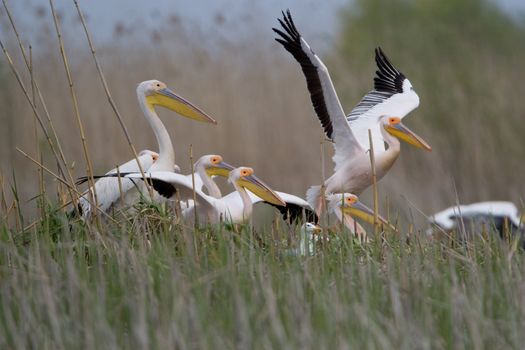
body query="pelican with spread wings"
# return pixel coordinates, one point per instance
(381, 111)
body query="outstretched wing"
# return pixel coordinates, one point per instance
(322, 92)
(292, 211)
(169, 185)
(393, 95)
(108, 190)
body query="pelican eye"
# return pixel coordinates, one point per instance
(351, 200)
(394, 120)
(154, 156)
(215, 160)
(244, 172)
(158, 85)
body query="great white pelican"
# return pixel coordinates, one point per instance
(381, 111)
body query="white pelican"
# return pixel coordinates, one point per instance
(230, 208)
(497, 215)
(346, 206)
(209, 166)
(205, 168)
(291, 210)
(107, 188)
(213, 165)
(381, 110)
(236, 207)
(309, 235)
(150, 93)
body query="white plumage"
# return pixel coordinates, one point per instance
(107, 188)
(449, 218)
(150, 93)
(380, 110)
(230, 208)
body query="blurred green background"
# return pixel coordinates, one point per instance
(464, 58)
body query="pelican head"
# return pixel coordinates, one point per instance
(214, 165)
(311, 229)
(158, 94)
(154, 155)
(349, 204)
(394, 127)
(244, 177)
(310, 234)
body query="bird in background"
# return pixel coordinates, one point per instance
(493, 216)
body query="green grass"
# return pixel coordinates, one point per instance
(159, 285)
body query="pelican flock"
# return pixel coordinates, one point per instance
(377, 117)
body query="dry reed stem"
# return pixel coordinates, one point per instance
(323, 212)
(2, 195)
(61, 180)
(41, 183)
(32, 76)
(72, 91)
(462, 228)
(35, 111)
(108, 94)
(374, 183)
(38, 117)
(196, 221)
(34, 83)
(121, 195)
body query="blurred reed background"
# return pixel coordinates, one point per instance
(464, 58)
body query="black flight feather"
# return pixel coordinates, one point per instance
(388, 78)
(290, 39)
(294, 213)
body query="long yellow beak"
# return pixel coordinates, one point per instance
(221, 169)
(260, 189)
(168, 99)
(403, 133)
(359, 210)
(318, 230)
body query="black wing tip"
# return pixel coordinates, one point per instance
(83, 179)
(287, 14)
(383, 63)
(290, 39)
(293, 213)
(164, 188)
(388, 78)
(288, 25)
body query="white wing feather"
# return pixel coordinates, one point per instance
(345, 142)
(446, 218)
(107, 189)
(361, 119)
